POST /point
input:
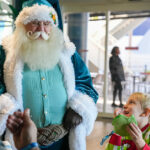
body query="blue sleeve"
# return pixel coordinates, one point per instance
(83, 79)
(2, 59)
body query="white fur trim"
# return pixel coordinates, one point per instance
(8, 105)
(5, 145)
(67, 68)
(77, 138)
(13, 78)
(12, 71)
(85, 106)
(37, 12)
(6, 42)
(68, 72)
(9, 138)
(69, 46)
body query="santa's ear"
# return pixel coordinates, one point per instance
(146, 112)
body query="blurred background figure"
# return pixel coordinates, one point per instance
(117, 74)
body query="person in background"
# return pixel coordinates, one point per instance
(138, 105)
(117, 74)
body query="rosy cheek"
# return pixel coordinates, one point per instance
(33, 29)
(47, 30)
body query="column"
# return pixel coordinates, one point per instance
(78, 32)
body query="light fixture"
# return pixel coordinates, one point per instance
(6, 2)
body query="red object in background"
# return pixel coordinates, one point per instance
(145, 73)
(131, 48)
(82, 51)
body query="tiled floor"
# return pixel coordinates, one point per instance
(101, 129)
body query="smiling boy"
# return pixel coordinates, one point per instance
(138, 105)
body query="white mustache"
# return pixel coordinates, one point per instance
(36, 35)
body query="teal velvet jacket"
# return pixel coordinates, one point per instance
(83, 79)
(2, 60)
(77, 80)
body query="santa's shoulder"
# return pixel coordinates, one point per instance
(69, 46)
(7, 43)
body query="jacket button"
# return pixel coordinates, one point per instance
(43, 78)
(44, 95)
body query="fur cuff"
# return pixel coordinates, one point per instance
(77, 138)
(85, 106)
(8, 105)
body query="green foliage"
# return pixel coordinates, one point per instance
(14, 11)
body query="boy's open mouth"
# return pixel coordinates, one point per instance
(126, 113)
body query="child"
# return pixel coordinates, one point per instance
(138, 105)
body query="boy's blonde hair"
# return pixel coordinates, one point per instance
(143, 98)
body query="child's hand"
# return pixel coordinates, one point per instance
(23, 129)
(136, 135)
(117, 112)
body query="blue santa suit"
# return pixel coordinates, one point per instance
(80, 92)
(77, 82)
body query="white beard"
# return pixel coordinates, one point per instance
(41, 54)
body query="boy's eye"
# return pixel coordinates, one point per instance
(131, 102)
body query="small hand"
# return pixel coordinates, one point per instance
(117, 112)
(136, 135)
(71, 119)
(23, 129)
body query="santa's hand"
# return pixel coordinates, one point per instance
(136, 135)
(71, 119)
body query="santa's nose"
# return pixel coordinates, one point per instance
(41, 27)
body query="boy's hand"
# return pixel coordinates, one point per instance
(117, 112)
(136, 135)
(23, 129)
